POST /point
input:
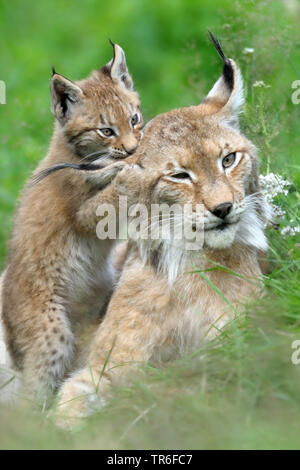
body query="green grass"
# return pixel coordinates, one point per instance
(244, 393)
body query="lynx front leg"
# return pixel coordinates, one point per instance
(124, 340)
(86, 215)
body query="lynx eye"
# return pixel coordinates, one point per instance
(134, 120)
(181, 176)
(106, 132)
(229, 160)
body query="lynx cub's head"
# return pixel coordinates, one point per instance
(198, 156)
(99, 117)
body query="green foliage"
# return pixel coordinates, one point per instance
(245, 392)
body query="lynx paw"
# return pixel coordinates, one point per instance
(79, 397)
(129, 179)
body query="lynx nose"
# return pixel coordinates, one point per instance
(129, 144)
(131, 150)
(221, 210)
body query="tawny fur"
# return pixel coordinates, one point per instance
(59, 276)
(154, 316)
(3, 349)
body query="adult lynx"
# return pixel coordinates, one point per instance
(59, 275)
(161, 307)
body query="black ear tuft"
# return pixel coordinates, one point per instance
(227, 67)
(118, 68)
(217, 45)
(114, 56)
(53, 70)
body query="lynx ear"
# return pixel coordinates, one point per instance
(118, 67)
(65, 95)
(226, 97)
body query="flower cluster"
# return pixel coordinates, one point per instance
(273, 185)
(290, 231)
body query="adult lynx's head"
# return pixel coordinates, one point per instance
(99, 116)
(198, 156)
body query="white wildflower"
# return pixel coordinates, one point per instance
(272, 185)
(290, 231)
(248, 51)
(278, 211)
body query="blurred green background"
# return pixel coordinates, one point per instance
(173, 65)
(168, 55)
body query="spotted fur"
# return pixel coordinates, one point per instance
(163, 308)
(59, 277)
